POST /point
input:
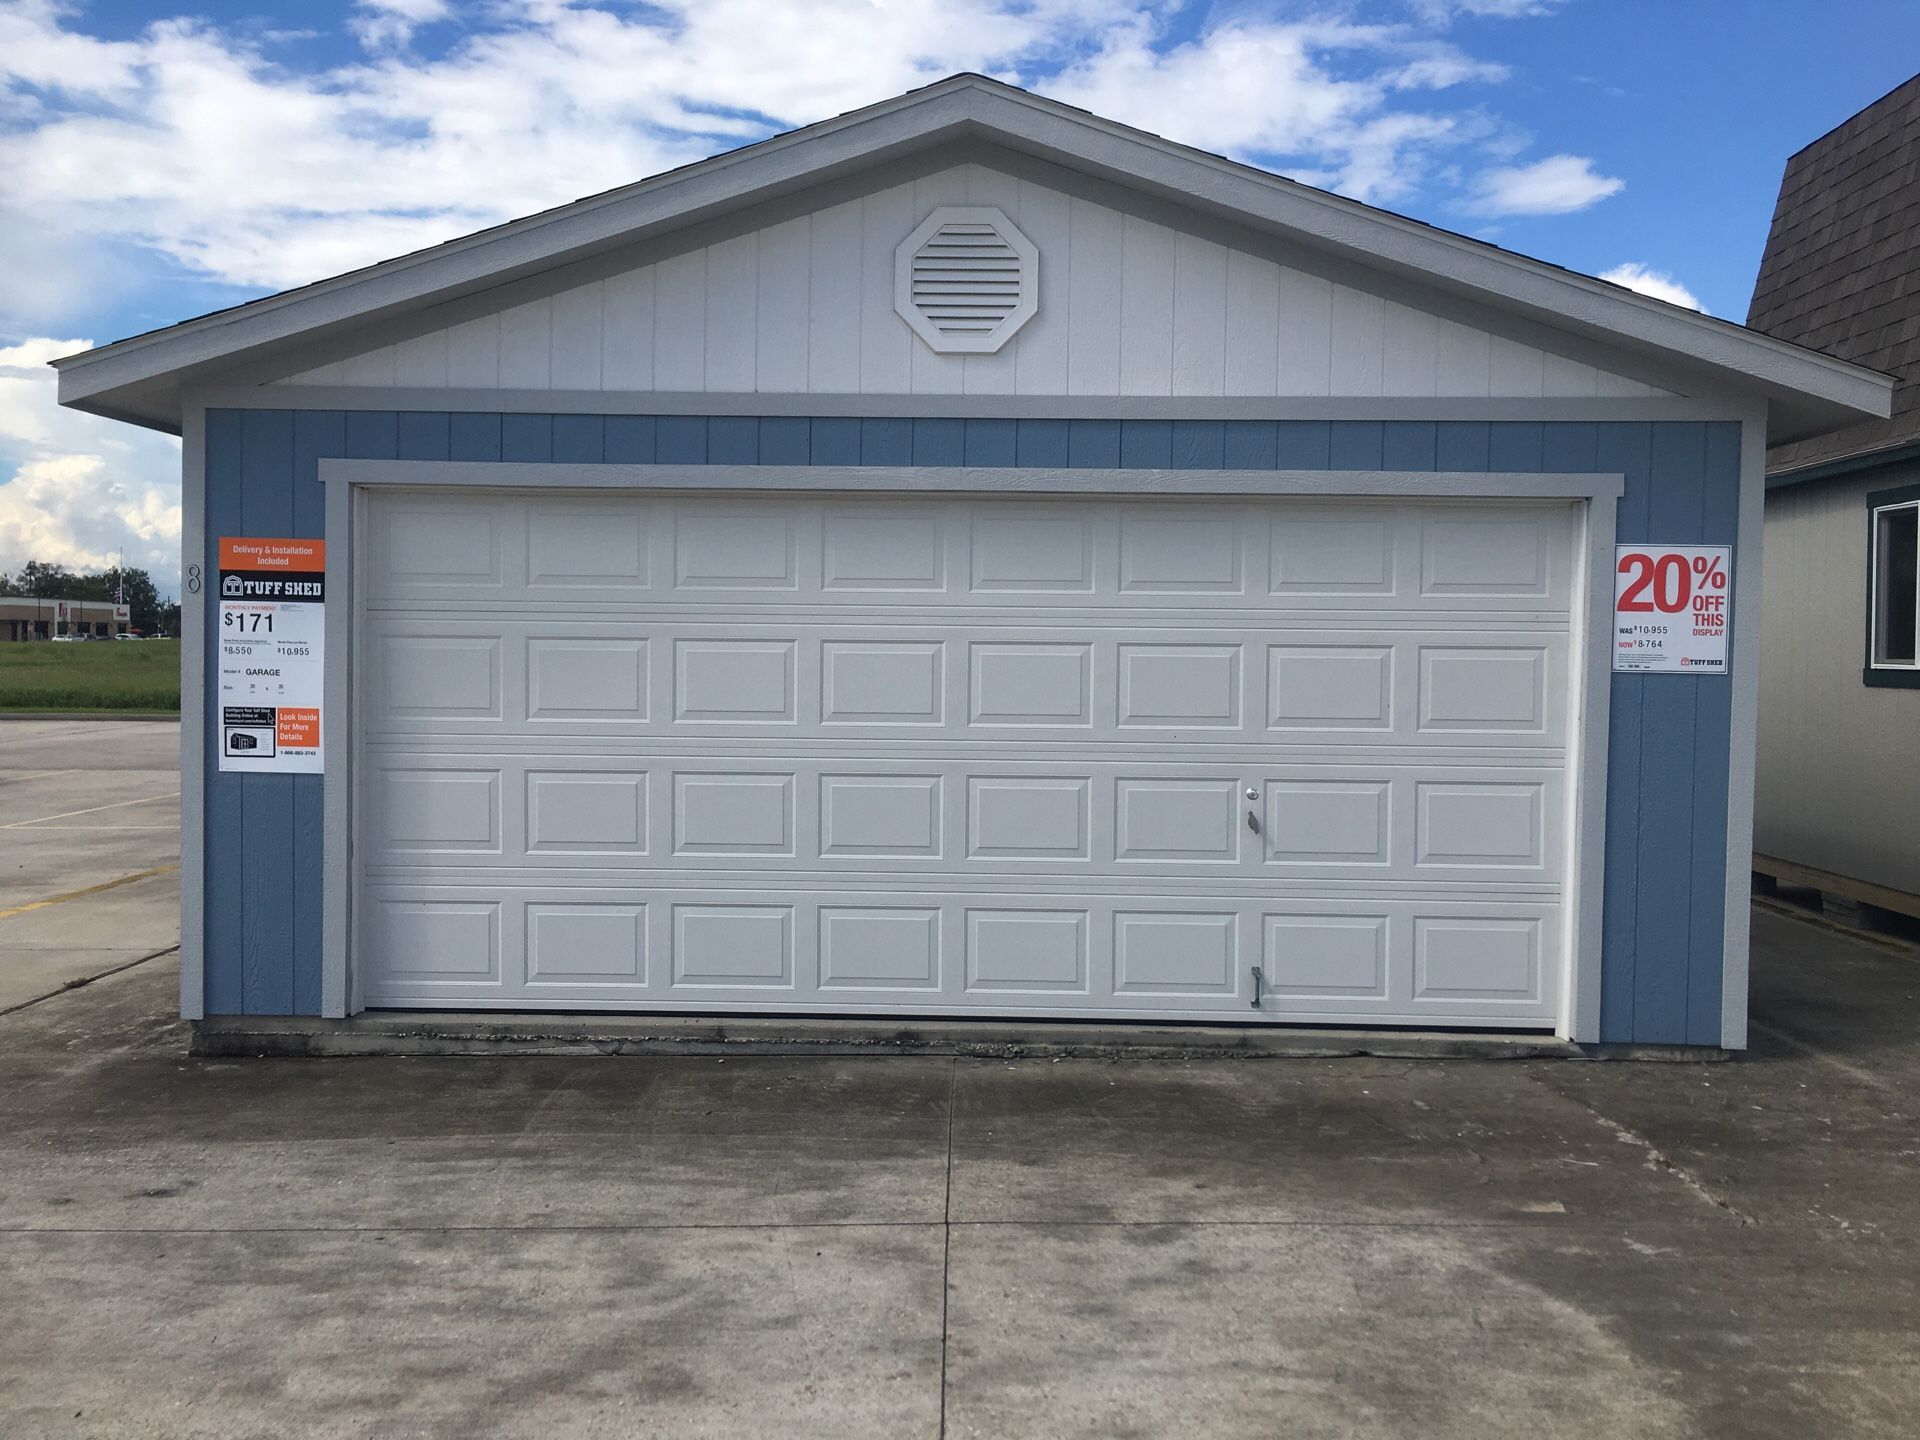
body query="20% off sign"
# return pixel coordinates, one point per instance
(1672, 608)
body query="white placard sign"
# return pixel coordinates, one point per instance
(1672, 608)
(272, 656)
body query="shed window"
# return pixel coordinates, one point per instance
(1895, 594)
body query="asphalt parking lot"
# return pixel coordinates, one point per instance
(916, 1247)
(89, 849)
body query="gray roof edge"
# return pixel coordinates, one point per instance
(1012, 117)
(1837, 466)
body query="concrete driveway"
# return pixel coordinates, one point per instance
(912, 1247)
(89, 849)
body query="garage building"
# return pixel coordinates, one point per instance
(966, 558)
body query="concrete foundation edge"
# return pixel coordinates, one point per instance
(453, 1034)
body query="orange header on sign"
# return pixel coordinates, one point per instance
(248, 553)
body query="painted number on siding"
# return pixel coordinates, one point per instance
(1672, 608)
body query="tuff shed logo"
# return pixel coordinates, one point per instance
(245, 585)
(273, 570)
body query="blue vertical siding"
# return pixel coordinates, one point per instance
(316, 433)
(224, 827)
(939, 442)
(579, 439)
(988, 442)
(1042, 442)
(477, 437)
(1357, 445)
(1663, 925)
(266, 804)
(630, 439)
(1093, 444)
(1410, 445)
(1250, 445)
(737, 442)
(1303, 445)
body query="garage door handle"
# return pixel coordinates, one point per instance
(1253, 822)
(1257, 977)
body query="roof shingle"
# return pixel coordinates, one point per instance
(1841, 272)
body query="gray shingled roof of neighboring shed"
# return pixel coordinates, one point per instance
(1841, 271)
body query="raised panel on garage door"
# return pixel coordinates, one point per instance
(956, 756)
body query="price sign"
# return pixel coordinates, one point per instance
(271, 644)
(1672, 608)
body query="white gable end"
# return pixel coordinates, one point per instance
(1126, 306)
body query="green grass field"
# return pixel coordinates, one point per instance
(95, 675)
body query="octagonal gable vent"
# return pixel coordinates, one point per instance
(966, 280)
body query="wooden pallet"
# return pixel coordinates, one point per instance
(1840, 893)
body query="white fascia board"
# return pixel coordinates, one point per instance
(139, 379)
(114, 380)
(1500, 279)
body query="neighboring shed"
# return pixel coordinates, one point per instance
(966, 558)
(1838, 802)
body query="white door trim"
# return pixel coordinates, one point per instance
(1586, 848)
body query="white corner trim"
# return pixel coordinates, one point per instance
(1744, 732)
(193, 715)
(1592, 667)
(336, 866)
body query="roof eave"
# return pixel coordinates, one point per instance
(140, 379)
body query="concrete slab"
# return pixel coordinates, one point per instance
(709, 1331)
(85, 804)
(1348, 1141)
(729, 1245)
(1820, 1123)
(1429, 1333)
(80, 743)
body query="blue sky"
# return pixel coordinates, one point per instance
(158, 161)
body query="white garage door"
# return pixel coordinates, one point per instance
(1036, 757)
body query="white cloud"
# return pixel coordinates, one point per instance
(1557, 185)
(1439, 12)
(81, 489)
(1276, 91)
(195, 144)
(389, 24)
(1657, 283)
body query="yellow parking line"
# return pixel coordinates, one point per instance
(24, 777)
(90, 890)
(91, 810)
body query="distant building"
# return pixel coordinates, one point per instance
(1838, 800)
(29, 617)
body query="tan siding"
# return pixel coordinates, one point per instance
(1839, 761)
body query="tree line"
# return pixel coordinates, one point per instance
(131, 585)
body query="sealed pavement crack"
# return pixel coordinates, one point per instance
(1658, 1160)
